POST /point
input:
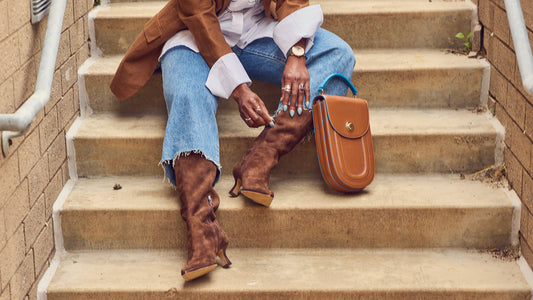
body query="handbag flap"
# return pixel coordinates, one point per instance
(348, 116)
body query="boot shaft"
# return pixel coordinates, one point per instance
(195, 176)
(274, 142)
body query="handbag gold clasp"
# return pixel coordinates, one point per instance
(349, 126)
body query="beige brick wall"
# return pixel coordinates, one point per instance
(512, 106)
(35, 171)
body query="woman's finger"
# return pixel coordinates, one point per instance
(294, 98)
(252, 112)
(308, 100)
(247, 114)
(301, 96)
(247, 120)
(285, 95)
(263, 113)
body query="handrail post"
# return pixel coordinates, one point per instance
(16, 124)
(521, 44)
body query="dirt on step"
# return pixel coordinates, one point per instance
(492, 175)
(505, 254)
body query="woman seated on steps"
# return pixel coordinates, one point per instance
(211, 49)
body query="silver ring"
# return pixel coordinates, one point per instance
(247, 119)
(258, 108)
(286, 88)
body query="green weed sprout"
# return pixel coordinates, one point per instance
(466, 40)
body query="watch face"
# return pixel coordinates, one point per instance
(298, 51)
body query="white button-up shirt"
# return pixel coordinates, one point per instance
(243, 22)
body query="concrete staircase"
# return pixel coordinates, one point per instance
(418, 232)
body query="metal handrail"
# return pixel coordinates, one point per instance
(16, 124)
(522, 48)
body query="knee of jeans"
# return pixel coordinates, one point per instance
(171, 100)
(186, 101)
(345, 58)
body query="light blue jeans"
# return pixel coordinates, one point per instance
(192, 126)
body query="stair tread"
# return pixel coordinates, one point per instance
(382, 121)
(405, 141)
(411, 59)
(398, 211)
(149, 9)
(388, 6)
(113, 273)
(366, 60)
(399, 24)
(430, 191)
(414, 78)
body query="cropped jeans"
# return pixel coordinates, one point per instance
(192, 126)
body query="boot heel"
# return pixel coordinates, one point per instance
(198, 272)
(258, 197)
(236, 189)
(223, 258)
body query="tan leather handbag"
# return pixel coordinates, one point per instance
(343, 139)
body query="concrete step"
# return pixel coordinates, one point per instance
(362, 24)
(413, 141)
(395, 211)
(291, 274)
(415, 78)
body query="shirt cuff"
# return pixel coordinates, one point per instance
(302, 23)
(225, 75)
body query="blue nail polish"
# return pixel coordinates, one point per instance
(285, 107)
(271, 124)
(300, 111)
(292, 113)
(308, 105)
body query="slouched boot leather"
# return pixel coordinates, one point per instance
(205, 238)
(252, 172)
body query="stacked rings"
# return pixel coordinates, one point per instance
(287, 88)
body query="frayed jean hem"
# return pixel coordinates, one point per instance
(169, 164)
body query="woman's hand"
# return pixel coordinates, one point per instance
(295, 85)
(251, 107)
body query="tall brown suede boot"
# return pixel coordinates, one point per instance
(199, 201)
(252, 172)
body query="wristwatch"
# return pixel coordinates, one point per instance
(297, 51)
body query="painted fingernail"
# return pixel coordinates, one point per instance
(271, 124)
(307, 104)
(300, 111)
(292, 113)
(285, 107)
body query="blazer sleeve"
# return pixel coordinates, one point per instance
(199, 16)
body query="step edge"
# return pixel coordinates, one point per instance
(522, 286)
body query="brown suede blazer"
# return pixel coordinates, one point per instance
(201, 18)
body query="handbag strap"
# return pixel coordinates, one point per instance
(346, 81)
